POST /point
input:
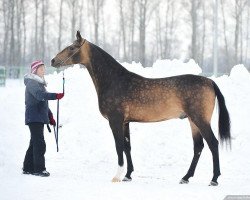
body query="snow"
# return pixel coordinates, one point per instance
(87, 160)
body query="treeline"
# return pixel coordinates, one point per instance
(130, 30)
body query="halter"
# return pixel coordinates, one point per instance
(63, 62)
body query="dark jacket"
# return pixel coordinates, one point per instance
(36, 99)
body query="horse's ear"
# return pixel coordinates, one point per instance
(78, 36)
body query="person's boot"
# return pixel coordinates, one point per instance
(27, 172)
(42, 174)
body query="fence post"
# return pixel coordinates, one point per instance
(2, 76)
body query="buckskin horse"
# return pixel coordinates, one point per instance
(126, 97)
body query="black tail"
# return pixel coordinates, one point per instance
(224, 119)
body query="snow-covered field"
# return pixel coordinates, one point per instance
(87, 160)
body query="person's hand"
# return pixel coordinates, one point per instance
(59, 95)
(52, 120)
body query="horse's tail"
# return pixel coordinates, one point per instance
(224, 119)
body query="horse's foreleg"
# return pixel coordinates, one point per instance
(198, 146)
(127, 149)
(116, 125)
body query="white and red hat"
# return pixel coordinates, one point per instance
(35, 65)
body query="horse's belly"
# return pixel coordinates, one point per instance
(154, 113)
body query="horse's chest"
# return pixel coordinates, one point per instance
(108, 105)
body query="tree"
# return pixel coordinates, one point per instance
(228, 60)
(195, 5)
(132, 4)
(73, 5)
(96, 7)
(146, 8)
(239, 6)
(122, 28)
(60, 25)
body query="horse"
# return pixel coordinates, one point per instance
(125, 97)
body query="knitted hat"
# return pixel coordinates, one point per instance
(35, 65)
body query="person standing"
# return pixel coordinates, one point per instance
(37, 114)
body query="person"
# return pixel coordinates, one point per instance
(37, 114)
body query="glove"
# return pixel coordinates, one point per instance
(59, 95)
(51, 120)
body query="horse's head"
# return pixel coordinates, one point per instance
(76, 53)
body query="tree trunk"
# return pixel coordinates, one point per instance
(166, 39)
(228, 59)
(123, 32)
(247, 33)
(132, 28)
(6, 18)
(73, 18)
(60, 25)
(194, 30)
(12, 31)
(81, 15)
(171, 31)
(142, 31)
(203, 34)
(36, 28)
(42, 36)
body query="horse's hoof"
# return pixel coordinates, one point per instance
(126, 179)
(182, 181)
(115, 180)
(213, 183)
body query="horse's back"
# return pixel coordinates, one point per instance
(149, 100)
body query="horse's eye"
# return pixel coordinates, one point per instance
(71, 48)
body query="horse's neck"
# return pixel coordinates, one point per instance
(104, 71)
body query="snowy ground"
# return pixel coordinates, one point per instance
(87, 160)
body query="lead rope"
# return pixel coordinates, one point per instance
(57, 117)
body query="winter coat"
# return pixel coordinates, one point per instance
(36, 99)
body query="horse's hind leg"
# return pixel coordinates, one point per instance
(212, 142)
(208, 135)
(198, 146)
(127, 150)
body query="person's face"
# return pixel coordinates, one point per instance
(40, 71)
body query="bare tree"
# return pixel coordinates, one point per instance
(73, 5)
(60, 25)
(36, 28)
(169, 28)
(146, 8)
(203, 33)
(81, 10)
(123, 28)
(96, 6)
(247, 31)
(158, 33)
(43, 24)
(23, 11)
(143, 6)
(239, 6)
(166, 30)
(228, 60)
(195, 5)
(6, 20)
(131, 8)
(12, 32)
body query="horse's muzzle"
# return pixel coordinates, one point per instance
(55, 63)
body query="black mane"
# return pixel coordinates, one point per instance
(108, 60)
